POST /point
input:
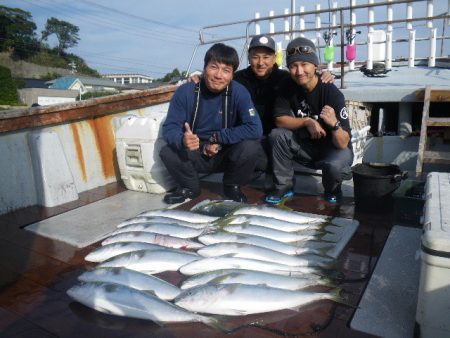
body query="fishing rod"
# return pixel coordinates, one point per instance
(350, 50)
(350, 34)
(328, 53)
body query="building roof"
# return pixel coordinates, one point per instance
(66, 82)
(34, 83)
(127, 75)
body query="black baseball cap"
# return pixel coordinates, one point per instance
(262, 41)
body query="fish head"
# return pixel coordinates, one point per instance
(199, 298)
(193, 298)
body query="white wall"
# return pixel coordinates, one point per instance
(17, 181)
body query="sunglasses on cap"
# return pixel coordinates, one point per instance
(300, 50)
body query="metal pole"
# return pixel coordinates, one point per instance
(192, 60)
(292, 19)
(342, 48)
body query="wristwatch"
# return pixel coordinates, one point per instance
(336, 126)
(214, 138)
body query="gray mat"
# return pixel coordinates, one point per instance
(388, 306)
(339, 237)
(88, 224)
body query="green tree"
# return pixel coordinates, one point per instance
(17, 32)
(66, 33)
(8, 89)
(169, 76)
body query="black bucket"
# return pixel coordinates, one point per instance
(374, 183)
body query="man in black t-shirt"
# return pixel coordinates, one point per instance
(312, 126)
(263, 77)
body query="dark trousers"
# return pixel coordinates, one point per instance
(287, 147)
(238, 162)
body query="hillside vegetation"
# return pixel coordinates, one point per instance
(8, 92)
(24, 69)
(21, 43)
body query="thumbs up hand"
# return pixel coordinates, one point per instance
(190, 140)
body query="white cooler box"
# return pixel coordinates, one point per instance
(433, 306)
(138, 142)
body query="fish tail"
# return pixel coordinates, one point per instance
(282, 204)
(325, 231)
(323, 251)
(337, 297)
(328, 282)
(322, 235)
(328, 273)
(327, 265)
(320, 252)
(321, 223)
(208, 230)
(223, 221)
(214, 322)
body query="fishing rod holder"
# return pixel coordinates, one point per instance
(350, 35)
(328, 35)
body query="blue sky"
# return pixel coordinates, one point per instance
(153, 37)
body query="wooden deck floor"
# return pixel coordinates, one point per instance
(36, 272)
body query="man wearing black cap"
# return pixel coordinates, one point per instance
(312, 126)
(262, 77)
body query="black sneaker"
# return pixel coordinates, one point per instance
(278, 196)
(233, 192)
(180, 195)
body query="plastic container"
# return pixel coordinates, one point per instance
(409, 200)
(350, 52)
(374, 184)
(138, 143)
(52, 176)
(379, 45)
(433, 305)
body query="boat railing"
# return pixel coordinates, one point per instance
(379, 31)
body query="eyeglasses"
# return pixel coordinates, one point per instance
(300, 50)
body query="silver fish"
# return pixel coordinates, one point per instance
(278, 235)
(287, 248)
(251, 277)
(241, 299)
(149, 237)
(225, 262)
(151, 261)
(133, 279)
(132, 220)
(243, 250)
(161, 219)
(107, 251)
(124, 301)
(163, 229)
(180, 215)
(218, 208)
(270, 223)
(280, 214)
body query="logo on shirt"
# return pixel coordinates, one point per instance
(344, 113)
(301, 114)
(305, 110)
(252, 111)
